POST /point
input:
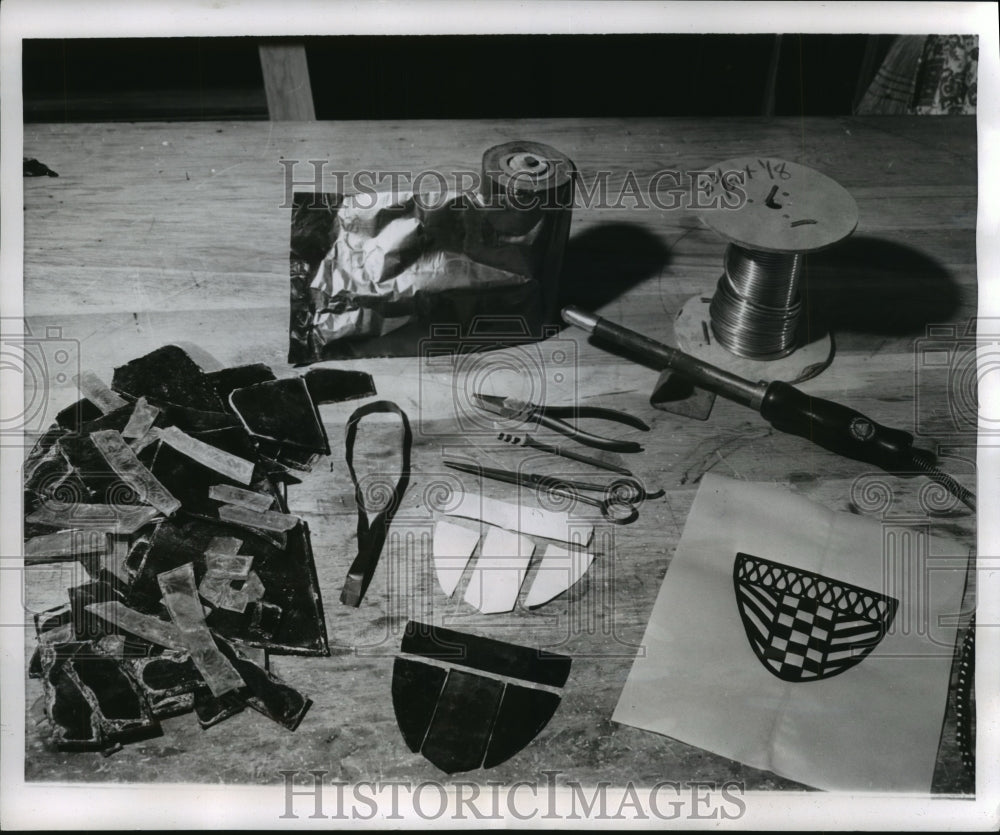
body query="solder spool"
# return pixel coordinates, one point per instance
(527, 192)
(773, 212)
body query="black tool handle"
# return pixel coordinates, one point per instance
(838, 428)
(595, 412)
(585, 438)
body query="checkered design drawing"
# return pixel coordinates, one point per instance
(804, 626)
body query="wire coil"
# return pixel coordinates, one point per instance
(756, 307)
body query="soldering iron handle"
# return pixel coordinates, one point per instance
(837, 428)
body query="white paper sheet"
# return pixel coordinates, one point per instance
(872, 727)
(499, 572)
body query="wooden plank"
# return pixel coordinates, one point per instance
(286, 82)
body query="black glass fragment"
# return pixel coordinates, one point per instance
(524, 711)
(486, 654)
(76, 413)
(90, 698)
(212, 710)
(102, 483)
(86, 625)
(265, 692)
(288, 574)
(460, 729)
(168, 375)
(283, 420)
(227, 380)
(415, 690)
(460, 720)
(335, 385)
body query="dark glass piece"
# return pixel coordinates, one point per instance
(486, 654)
(461, 726)
(189, 480)
(335, 385)
(194, 421)
(415, 690)
(76, 413)
(116, 695)
(227, 380)
(70, 711)
(168, 682)
(288, 575)
(265, 618)
(52, 619)
(211, 710)
(117, 420)
(91, 699)
(103, 484)
(168, 375)
(523, 713)
(265, 692)
(283, 419)
(88, 626)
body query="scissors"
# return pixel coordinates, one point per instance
(617, 506)
(549, 417)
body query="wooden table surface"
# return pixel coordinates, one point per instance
(158, 233)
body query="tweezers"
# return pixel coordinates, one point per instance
(551, 418)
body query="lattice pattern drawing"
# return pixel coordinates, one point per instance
(804, 626)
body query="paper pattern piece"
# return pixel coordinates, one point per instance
(558, 570)
(453, 546)
(499, 572)
(531, 521)
(874, 726)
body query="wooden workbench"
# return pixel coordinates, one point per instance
(158, 233)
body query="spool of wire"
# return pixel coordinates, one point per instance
(773, 212)
(756, 307)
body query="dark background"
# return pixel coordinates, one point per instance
(488, 76)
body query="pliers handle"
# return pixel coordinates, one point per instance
(553, 417)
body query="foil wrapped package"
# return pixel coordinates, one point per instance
(373, 274)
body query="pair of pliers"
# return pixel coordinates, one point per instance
(550, 417)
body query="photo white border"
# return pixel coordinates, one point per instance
(99, 806)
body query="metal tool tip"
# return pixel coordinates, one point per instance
(581, 318)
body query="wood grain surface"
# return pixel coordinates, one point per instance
(159, 233)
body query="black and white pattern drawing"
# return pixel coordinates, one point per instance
(804, 626)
